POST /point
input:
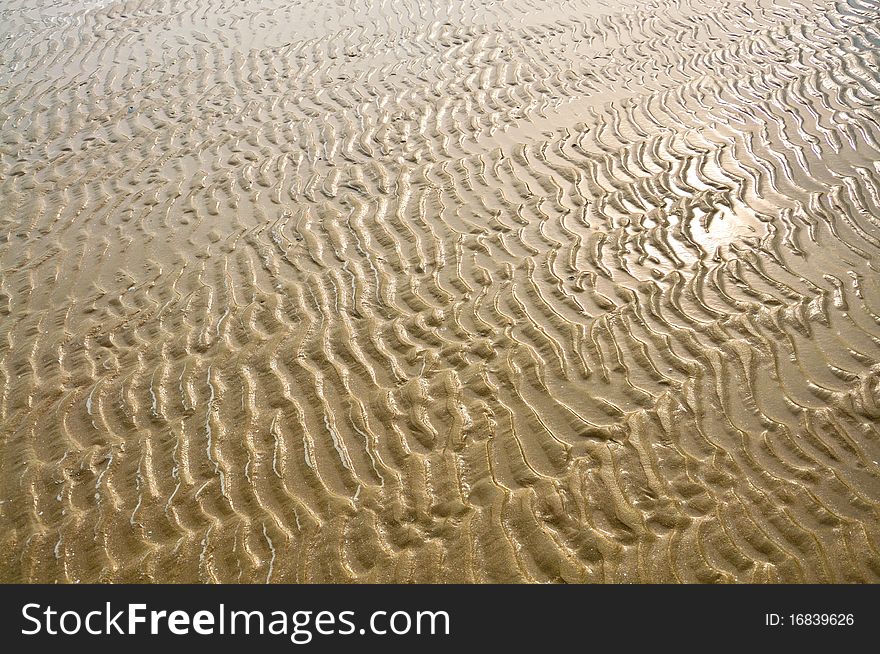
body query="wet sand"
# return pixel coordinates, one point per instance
(417, 291)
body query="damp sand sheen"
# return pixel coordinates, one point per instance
(411, 291)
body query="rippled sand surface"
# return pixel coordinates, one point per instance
(440, 291)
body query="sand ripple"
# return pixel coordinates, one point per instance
(416, 291)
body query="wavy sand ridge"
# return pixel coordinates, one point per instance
(396, 292)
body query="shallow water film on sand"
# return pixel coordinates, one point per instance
(471, 291)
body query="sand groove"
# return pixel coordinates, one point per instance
(412, 291)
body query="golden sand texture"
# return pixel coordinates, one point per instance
(470, 291)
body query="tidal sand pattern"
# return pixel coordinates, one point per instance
(418, 291)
